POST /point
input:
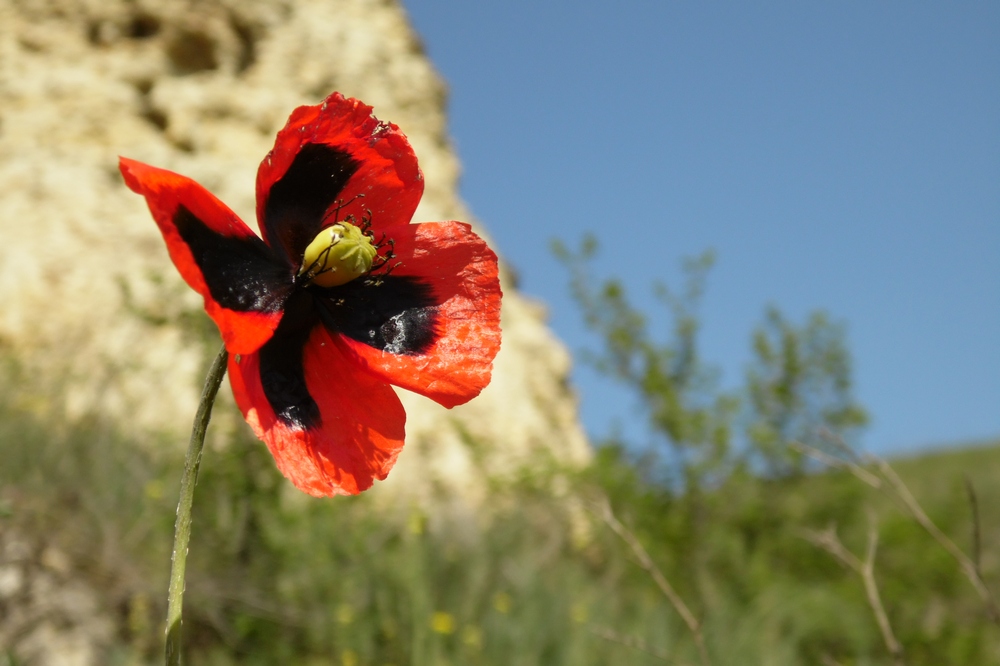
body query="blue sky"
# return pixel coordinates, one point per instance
(839, 156)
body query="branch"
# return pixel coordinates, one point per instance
(898, 491)
(977, 540)
(832, 461)
(830, 542)
(967, 565)
(646, 562)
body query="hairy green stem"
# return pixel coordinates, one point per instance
(182, 528)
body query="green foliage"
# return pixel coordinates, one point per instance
(799, 383)
(276, 577)
(737, 552)
(679, 391)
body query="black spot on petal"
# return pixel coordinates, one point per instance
(282, 374)
(293, 214)
(241, 273)
(394, 314)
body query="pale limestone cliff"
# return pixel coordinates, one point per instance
(201, 87)
(90, 300)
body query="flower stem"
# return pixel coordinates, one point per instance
(182, 528)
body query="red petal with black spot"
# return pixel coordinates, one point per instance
(461, 272)
(311, 365)
(358, 434)
(338, 147)
(243, 284)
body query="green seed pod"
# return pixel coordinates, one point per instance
(338, 254)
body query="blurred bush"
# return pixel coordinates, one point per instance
(277, 577)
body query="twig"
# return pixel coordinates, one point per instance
(900, 493)
(875, 599)
(967, 565)
(628, 641)
(646, 562)
(830, 542)
(832, 461)
(182, 528)
(977, 541)
(838, 443)
(854, 466)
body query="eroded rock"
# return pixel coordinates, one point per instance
(91, 303)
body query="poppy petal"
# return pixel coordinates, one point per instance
(357, 435)
(442, 346)
(331, 162)
(244, 285)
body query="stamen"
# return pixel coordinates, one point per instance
(341, 205)
(366, 223)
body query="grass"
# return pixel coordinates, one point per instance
(276, 577)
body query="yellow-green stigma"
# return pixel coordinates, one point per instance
(337, 255)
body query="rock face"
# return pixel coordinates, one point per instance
(95, 317)
(91, 304)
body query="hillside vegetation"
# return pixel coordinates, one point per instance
(275, 577)
(724, 543)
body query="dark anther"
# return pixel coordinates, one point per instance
(339, 205)
(389, 270)
(366, 223)
(382, 259)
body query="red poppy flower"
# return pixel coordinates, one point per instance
(340, 298)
